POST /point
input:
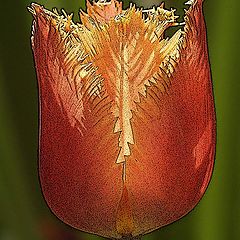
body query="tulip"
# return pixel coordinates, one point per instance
(127, 119)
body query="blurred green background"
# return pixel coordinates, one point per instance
(23, 212)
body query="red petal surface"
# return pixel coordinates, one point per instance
(173, 155)
(125, 148)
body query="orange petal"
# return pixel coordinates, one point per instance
(127, 119)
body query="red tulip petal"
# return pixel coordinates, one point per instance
(172, 159)
(102, 11)
(79, 178)
(127, 121)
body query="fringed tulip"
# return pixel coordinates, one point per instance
(127, 120)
